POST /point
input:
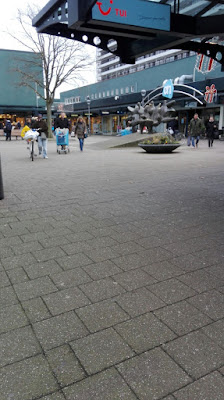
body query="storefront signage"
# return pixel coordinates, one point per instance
(168, 89)
(141, 13)
(210, 93)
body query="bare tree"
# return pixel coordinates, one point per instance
(62, 60)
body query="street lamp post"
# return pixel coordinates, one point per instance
(143, 93)
(88, 104)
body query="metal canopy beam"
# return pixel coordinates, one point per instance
(72, 19)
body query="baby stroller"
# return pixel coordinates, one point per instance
(62, 140)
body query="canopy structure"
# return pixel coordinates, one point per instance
(134, 28)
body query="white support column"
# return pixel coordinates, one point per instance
(221, 117)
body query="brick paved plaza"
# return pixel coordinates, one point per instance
(112, 274)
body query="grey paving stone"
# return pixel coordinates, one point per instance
(139, 302)
(171, 291)
(17, 345)
(134, 279)
(100, 232)
(70, 278)
(182, 317)
(180, 248)
(102, 289)
(189, 262)
(66, 300)
(207, 388)
(101, 350)
(15, 231)
(65, 365)
(53, 242)
(59, 330)
(17, 275)
(221, 289)
(54, 396)
(7, 297)
(131, 261)
(210, 303)
(62, 231)
(169, 398)
(18, 261)
(10, 241)
(4, 280)
(77, 247)
(153, 375)
(144, 332)
(211, 256)
(32, 237)
(196, 353)
(27, 379)
(125, 237)
(201, 280)
(48, 254)
(26, 247)
(74, 261)
(11, 318)
(6, 252)
(156, 254)
(102, 270)
(216, 332)
(221, 370)
(35, 309)
(163, 270)
(101, 315)
(127, 248)
(35, 288)
(77, 237)
(102, 242)
(102, 254)
(38, 270)
(217, 270)
(106, 385)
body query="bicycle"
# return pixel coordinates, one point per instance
(31, 137)
(31, 144)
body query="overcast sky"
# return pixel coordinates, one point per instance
(8, 19)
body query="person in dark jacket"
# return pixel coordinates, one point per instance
(8, 129)
(61, 122)
(211, 127)
(196, 129)
(80, 130)
(42, 128)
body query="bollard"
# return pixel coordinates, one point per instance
(1, 183)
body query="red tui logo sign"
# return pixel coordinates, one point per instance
(99, 3)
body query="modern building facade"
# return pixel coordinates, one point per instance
(109, 66)
(111, 97)
(18, 102)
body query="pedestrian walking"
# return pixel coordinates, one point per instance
(195, 130)
(211, 127)
(42, 128)
(8, 129)
(61, 122)
(80, 130)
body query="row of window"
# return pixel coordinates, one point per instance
(100, 95)
(73, 100)
(134, 68)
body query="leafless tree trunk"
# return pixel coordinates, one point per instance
(61, 60)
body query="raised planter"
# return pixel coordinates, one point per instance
(159, 148)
